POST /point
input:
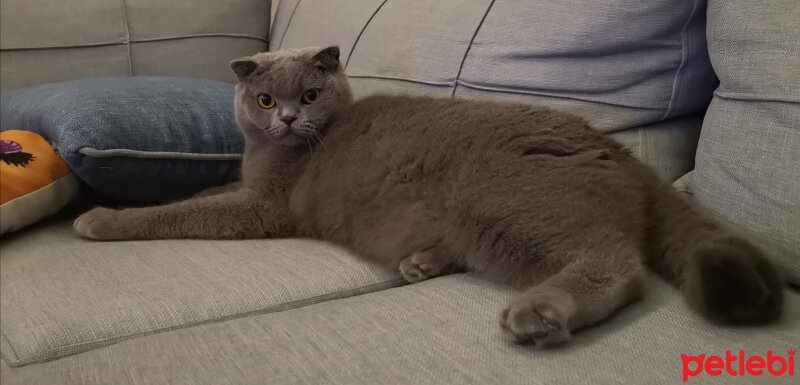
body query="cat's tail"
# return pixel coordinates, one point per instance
(722, 276)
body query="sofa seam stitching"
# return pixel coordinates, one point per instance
(497, 90)
(418, 81)
(639, 150)
(755, 96)
(684, 58)
(297, 304)
(270, 18)
(288, 24)
(143, 40)
(504, 89)
(198, 35)
(92, 152)
(469, 46)
(364, 28)
(8, 342)
(127, 37)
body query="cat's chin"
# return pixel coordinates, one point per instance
(290, 140)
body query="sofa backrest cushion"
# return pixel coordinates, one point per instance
(638, 70)
(748, 160)
(88, 38)
(618, 63)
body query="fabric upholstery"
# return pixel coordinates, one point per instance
(648, 59)
(748, 159)
(140, 139)
(35, 182)
(619, 64)
(43, 42)
(61, 295)
(287, 312)
(442, 331)
(648, 56)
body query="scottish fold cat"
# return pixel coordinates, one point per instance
(521, 194)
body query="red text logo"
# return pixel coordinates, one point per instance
(738, 365)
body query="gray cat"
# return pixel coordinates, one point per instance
(525, 195)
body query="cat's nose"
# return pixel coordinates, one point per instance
(288, 119)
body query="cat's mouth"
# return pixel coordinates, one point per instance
(295, 135)
(291, 139)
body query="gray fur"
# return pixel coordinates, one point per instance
(524, 195)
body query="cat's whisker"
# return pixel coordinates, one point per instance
(272, 129)
(319, 138)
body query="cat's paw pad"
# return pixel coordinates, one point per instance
(539, 324)
(415, 272)
(99, 224)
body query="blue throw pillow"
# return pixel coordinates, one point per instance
(139, 139)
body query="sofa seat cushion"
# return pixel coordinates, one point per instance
(61, 295)
(442, 331)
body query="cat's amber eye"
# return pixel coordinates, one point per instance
(311, 96)
(265, 101)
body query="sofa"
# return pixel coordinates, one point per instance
(705, 91)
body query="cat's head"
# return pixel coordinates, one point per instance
(288, 97)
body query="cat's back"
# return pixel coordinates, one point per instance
(419, 113)
(430, 122)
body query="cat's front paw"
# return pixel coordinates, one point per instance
(101, 224)
(530, 320)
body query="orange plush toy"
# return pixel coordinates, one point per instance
(34, 181)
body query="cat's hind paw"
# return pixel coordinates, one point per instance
(414, 272)
(534, 322)
(420, 266)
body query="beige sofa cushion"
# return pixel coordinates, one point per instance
(443, 331)
(57, 41)
(61, 295)
(630, 68)
(748, 160)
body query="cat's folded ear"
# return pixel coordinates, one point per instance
(243, 67)
(327, 60)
